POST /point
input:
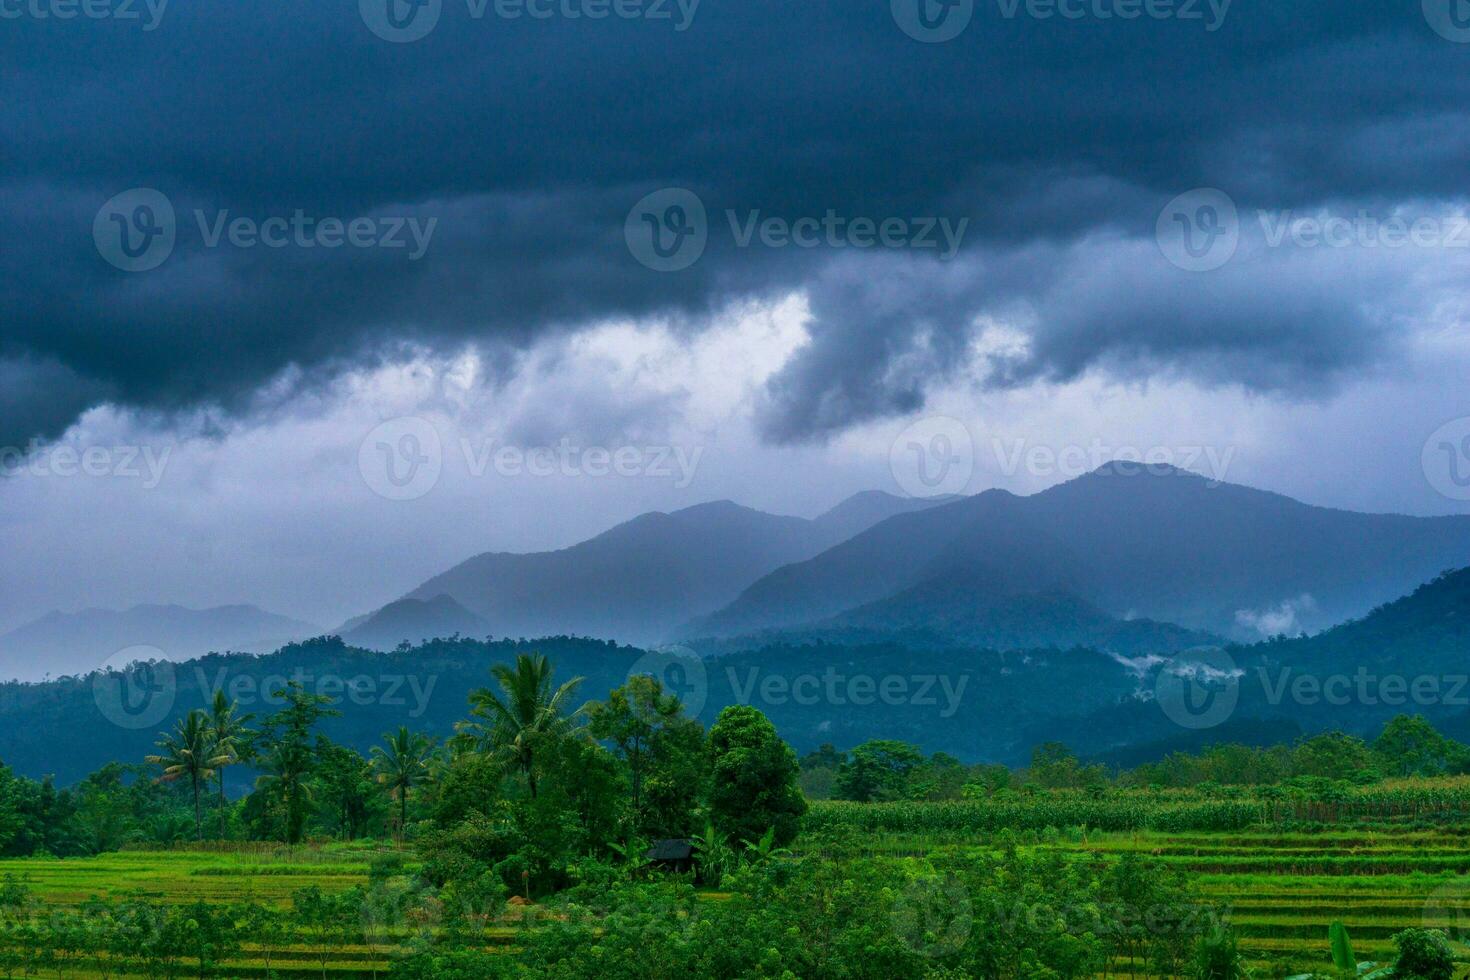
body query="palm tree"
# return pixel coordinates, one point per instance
(188, 753)
(231, 741)
(525, 711)
(285, 771)
(403, 765)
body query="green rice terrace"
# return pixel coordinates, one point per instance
(624, 841)
(1277, 886)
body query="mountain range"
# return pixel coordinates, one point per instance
(58, 643)
(1126, 559)
(1156, 543)
(978, 704)
(638, 582)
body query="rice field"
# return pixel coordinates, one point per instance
(267, 875)
(1280, 888)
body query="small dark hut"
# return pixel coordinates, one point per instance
(672, 855)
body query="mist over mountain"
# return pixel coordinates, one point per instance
(638, 581)
(413, 621)
(73, 643)
(1157, 543)
(980, 704)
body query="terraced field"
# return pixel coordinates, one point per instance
(1282, 890)
(266, 875)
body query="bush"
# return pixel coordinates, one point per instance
(1424, 954)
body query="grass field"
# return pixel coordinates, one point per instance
(267, 874)
(1281, 890)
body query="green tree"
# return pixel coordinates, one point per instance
(188, 754)
(290, 758)
(1331, 755)
(1410, 746)
(876, 771)
(753, 785)
(402, 766)
(1424, 954)
(526, 712)
(347, 784)
(227, 727)
(662, 749)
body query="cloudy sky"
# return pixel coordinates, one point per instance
(301, 305)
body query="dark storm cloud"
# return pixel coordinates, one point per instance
(528, 141)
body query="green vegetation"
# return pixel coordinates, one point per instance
(521, 846)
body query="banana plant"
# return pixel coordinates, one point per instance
(715, 856)
(764, 850)
(1343, 960)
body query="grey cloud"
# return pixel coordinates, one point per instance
(528, 141)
